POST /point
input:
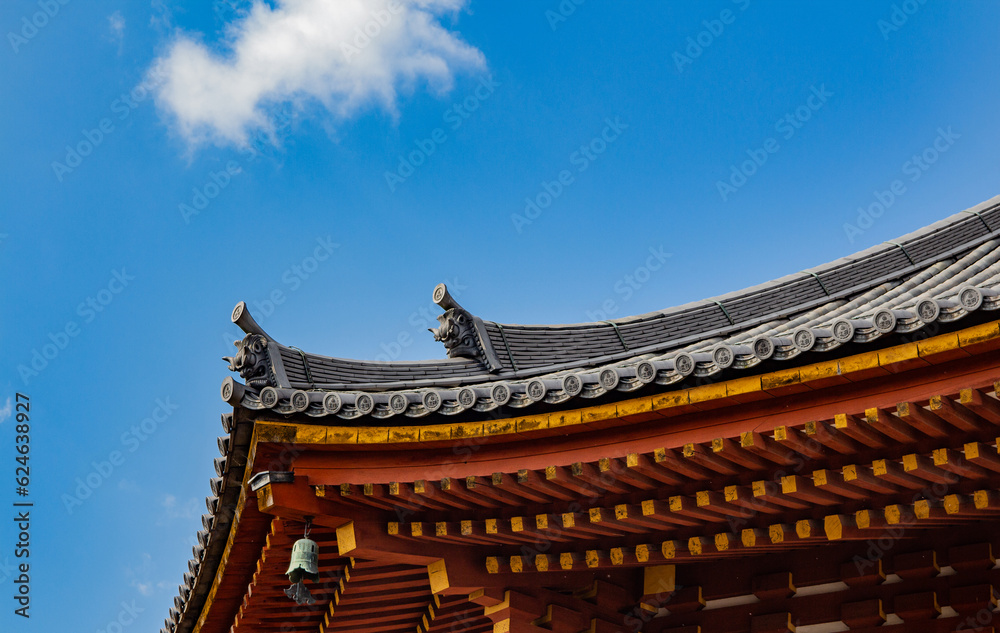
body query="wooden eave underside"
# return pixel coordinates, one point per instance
(719, 475)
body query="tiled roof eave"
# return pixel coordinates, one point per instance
(223, 507)
(421, 388)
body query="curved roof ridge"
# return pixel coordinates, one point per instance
(884, 247)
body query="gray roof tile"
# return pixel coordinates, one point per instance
(932, 263)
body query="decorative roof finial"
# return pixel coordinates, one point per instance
(463, 335)
(252, 359)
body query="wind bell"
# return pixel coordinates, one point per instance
(304, 565)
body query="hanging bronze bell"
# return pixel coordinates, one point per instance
(305, 561)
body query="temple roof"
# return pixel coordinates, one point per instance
(936, 275)
(917, 284)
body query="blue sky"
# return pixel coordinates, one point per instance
(165, 160)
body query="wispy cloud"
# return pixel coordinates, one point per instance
(116, 28)
(345, 56)
(162, 17)
(175, 509)
(139, 576)
(7, 410)
(128, 485)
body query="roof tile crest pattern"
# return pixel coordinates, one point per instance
(940, 273)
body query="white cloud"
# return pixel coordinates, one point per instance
(7, 410)
(344, 55)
